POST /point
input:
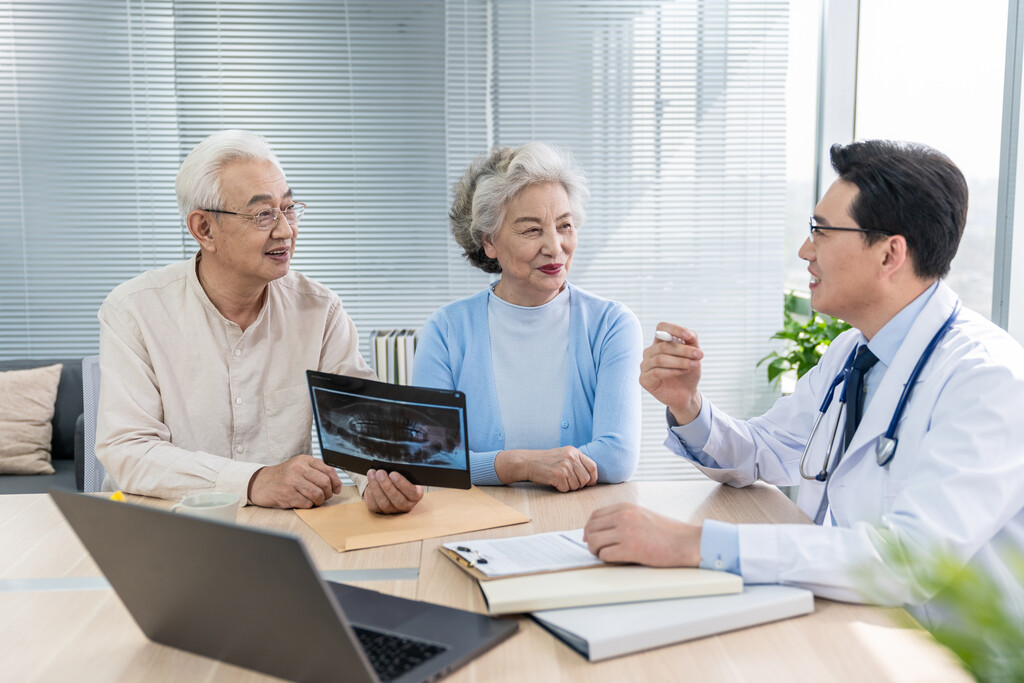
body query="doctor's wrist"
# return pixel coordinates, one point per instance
(686, 413)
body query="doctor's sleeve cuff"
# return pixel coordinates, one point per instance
(694, 436)
(720, 546)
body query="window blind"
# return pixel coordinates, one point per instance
(674, 109)
(88, 154)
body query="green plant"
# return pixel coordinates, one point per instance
(978, 623)
(983, 631)
(807, 341)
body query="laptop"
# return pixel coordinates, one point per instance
(419, 432)
(253, 598)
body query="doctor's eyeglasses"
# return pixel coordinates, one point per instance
(267, 219)
(819, 228)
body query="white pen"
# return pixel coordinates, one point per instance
(665, 336)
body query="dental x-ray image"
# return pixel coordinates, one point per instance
(363, 424)
(390, 431)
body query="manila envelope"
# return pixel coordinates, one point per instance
(441, 512)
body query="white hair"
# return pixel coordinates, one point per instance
(198, 181)
(492, 181)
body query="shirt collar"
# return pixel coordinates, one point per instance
(887, 341)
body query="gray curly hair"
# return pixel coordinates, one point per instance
(479, 198)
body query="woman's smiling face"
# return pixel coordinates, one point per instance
(534, 245)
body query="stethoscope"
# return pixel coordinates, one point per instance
(885, 448)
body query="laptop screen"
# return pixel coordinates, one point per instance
(362, 424)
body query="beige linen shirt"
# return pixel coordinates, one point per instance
(189, 402)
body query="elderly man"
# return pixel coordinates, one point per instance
(203, 361)
(940, 477)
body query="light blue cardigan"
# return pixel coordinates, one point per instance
(601, 410)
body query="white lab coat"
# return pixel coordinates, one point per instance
(956, 483)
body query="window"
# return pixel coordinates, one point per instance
(675, 109)
(677, 113)
(89, 148)
(801, 119)
(946, 93)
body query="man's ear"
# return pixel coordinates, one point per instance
(201, 228)
(895, 256)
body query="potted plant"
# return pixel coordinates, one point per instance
(807, 335)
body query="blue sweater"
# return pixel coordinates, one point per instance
(601, 409)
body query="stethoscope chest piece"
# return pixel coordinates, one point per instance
(885, 449)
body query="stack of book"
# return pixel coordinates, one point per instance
(392, 353)
(606, 610)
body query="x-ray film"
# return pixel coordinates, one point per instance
(362, 425)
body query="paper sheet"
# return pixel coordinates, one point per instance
(546, 552)
(441, 512)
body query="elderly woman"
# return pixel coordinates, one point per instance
(550, 371)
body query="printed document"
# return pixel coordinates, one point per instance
(547, 552)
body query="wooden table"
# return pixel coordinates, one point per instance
(59, 621)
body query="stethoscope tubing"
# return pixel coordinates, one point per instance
(839, 379)
(885, 448)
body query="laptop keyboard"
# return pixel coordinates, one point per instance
(391, 655)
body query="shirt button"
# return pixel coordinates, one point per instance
(238, 352)
(239, 449)
(719, 564)
(238, 400)
(565, 424)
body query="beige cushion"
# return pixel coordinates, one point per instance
(27, 398)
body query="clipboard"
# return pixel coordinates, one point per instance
(469, 555)
(465, 565)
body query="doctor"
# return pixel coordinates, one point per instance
(881, 240)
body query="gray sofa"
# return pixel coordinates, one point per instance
(68, 432)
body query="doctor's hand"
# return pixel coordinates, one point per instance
(390, 493)
(626, 532)
(566, 467)
(299, 482)
(670, 372)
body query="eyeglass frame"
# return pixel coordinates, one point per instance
(814, 227)
(255, 216)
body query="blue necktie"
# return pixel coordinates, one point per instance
(855, 390)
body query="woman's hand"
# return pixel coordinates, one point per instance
(566, 468)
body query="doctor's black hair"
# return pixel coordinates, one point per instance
(907, 189)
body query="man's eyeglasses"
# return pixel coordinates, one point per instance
(815, 228)
(267, 218)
